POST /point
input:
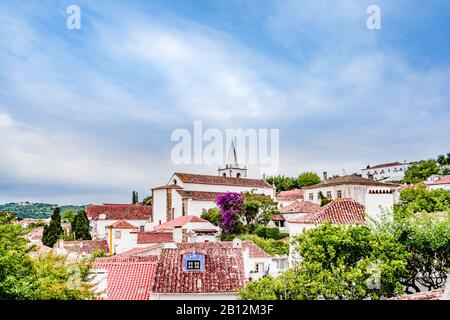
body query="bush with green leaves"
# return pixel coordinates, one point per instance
(271, 246)
(26, 275)
(339, 263)
(270, 233)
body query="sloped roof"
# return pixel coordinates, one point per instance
(428, 295)
(85, 246)
(199, 195)
(154, 237)
(139, 252)
(339, 211)
(385, 165)
(122, 224)
(441, 180)
(224, 270)
(128, 279)
(290, 195)
(254, 250)
(179, 222)
(220, 180)
(168, 186)
(300, 207)
(350, 179)
(119, 211)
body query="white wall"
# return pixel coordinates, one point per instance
(355, 192)
(377, 203)
(159, 206)
(127, 240)
(397, 172)
(99, 226)
(195, 207)
(439, 186)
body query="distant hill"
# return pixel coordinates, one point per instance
(35, 210)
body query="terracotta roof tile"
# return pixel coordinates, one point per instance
(428, 295)
(219, 180)
(128, 279)
(351, 179)
(300, 207)
(119, 211)
(85, 246)
(139, 252)
(224, 270)
(122, 224)
(199, 195)
(339, 211)
(290, 195)
(179, 222)
(168, 186)
(154, 237)
(441, 180)
(255, 251)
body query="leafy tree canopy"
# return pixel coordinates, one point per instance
(307, 179)
(421, 171)
(25, 277)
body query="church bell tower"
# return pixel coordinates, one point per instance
(232, 168)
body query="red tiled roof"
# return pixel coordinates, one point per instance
(119, 211)
(199, 195)
(384, 165)
(122, 224)
(139, 252)
(351, 179)
(179, 222)
(224, 270)
(339, 211)
(300, 207)
(129, 279)
(278, 217)
(255, 251)
(154, 237)
(441, 180)
(428, 295)
(85, 246)
(290, 195)
(220, 180)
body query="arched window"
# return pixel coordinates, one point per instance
(224, 174)
(238, 175)
(174, 181)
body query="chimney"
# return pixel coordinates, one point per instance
(325, 176)
(177, 234)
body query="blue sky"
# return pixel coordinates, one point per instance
(86, 115)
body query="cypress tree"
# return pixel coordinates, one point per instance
(54, 231)
(81, 229)
(134, 197)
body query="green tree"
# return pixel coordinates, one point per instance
(339, 263)
(282, 183)
(147, 201)
(134, 197)
(421, 171)
(212, 215)
(324, 200)
(81, 230)
(54, 231)
(442, 160)
(307, 179)
(419, 199)
(68, 216)
(258, 209)
(25, 277)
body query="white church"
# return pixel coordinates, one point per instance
(189, 193)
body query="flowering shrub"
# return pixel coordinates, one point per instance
(230, 204)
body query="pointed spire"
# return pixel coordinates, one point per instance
(232, 156)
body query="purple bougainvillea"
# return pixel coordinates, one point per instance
(230, 204)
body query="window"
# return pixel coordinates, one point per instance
(318, 196)
(224, 174)
(329, 194)
(174, 181)
(117, 234)
(311, 196)
(259, 267)
(193, 265)
(339, 193)
(141, 228)
(238, 175)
